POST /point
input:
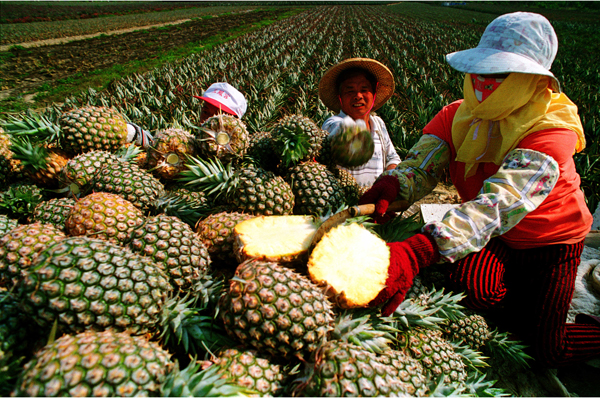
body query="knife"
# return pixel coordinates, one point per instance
(354, 211)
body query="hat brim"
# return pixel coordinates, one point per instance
(217, 104)
(328, 91)
(491, 61)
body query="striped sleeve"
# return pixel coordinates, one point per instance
(523, 181)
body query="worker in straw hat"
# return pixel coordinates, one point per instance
(222, 98)
(355, 88)
(514, 244)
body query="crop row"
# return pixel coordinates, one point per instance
(279, 67)
(25, 32)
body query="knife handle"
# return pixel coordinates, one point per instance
(368, 209)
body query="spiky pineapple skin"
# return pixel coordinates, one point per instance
(7, 224)
(129, 181)
(275, 309)
(53, 211)
(316, 189)
(352, 146)
(91, 127)
(348, 370)
(226, 138)
(91, 363)
(291, 126)
(86, 283)
(173, 244)
(261, 192)
(78, 174)
(349, 185)
(168, 154)
(216, 232)
(472, 329)
(104, 216)
(20, 247)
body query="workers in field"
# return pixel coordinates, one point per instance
(222, 97)
(356, 88)
(514, 244)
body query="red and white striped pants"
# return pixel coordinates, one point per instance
(535, 288)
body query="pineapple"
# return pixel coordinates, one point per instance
(7, 224)
(104, 216)
(19, 200)
(225, 137)
(92, 128)
(86, 283)
(8, 164)
(123, 178)
(249, 369)
(78, 174)
(472, 330)
(345, 252)
(316, 189)
(20, 247)
(353, 145)
(348, 370)
(283, 239)
(250, 189)
(261, 151)
(102, 364)
(53, 211)
(188, 206)
(435, 353)
(216, 232)
(275, 310)
(174, 245)
(41, 163)
(166, 157)
(296, 138)
(350, 187)
(409, 371)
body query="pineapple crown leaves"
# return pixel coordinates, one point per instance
(31, 156)
(476, 385)
(294, 148)
(399, 228)
(410, 314)
(19, 201)
(359, 331)
(446, 306)
(187, 210)
(211, 176)
(502, 345)
(31, 124)
(473, 359)
(193, 382)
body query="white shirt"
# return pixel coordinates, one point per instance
(366, 174)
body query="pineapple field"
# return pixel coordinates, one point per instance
(181, 265)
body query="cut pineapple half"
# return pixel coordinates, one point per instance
(353, 262)
(274, 238)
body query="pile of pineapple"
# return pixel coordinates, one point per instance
(183, 269)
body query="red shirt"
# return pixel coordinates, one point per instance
(562, 218)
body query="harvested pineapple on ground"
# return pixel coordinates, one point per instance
(223, 136)
(217, 234)
(167, 156)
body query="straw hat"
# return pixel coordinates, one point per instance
(328, 92)
(521, 42)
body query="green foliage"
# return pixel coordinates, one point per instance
(19, 200)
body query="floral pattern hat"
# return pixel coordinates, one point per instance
(521, 42)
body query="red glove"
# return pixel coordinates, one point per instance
(382, 193)
(406, 260)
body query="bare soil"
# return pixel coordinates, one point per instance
(27, 68)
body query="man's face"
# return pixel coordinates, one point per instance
(356, 96)
(208, 110)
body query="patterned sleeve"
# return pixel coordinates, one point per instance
(420, 172)
(520, 185)
(391, 155)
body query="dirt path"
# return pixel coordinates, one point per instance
(62, 40)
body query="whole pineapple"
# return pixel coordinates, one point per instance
(225, 137)
(435, 353)
(261, 151)
(275, 310)
(105, 216)
(174, 245)
(316, 189)
(216, 232)
(167, 156)
(353, 145)
(123, 178)
(92, 363)
(472, 329)
(250, 369)
(20, 247)
(6, 224)
(296, 138)
(53, 211)
(92, 128)
(6, 157)
(248, 189)
(40, 162)
(350, 187)
(86, 283)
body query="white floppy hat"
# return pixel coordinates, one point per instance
(521, 42)
(225, 97)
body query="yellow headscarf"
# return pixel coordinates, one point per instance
(521, 105)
